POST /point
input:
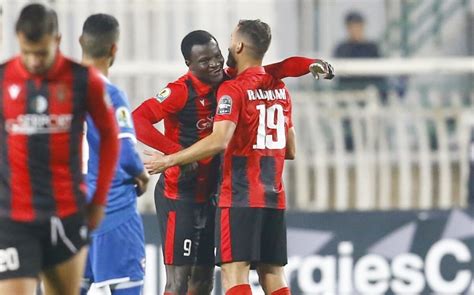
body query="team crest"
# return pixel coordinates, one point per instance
(61, 92)
(39, 104)
(123, 117)
(225, 105)
(164, 94)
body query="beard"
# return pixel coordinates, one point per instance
(231, 62)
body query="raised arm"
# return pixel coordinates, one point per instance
(290, 152)
(224, 126)
(152, 111)
(297, 66)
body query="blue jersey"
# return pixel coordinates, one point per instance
(122, 194)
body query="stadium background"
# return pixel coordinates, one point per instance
(380, 183)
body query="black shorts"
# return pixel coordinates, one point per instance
(29, 248)
(187, 231)
(256, 235)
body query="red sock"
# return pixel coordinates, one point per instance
(239, 290)
(282, 291)
(168, 293)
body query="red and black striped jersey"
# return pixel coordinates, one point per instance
(260, 106)
(187, 107)
(41, 127)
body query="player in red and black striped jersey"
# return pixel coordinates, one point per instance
(44, 98)
(253, 125)
(182, 198)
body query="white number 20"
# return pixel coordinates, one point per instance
(271, 118)
(187, 247)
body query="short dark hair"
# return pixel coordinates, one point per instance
(99, 32)
(198, 37)
(354, 17)
(36, 21)
(258, 33)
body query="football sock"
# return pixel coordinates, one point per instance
(239, 290)
(282, 291)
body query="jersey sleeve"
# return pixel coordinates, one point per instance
(229, 103)
(169, 101)
(100, 109)
(123, 115)
(130, 161)
(295, 66)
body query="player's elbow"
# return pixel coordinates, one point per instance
(221, 146)
(290, 155)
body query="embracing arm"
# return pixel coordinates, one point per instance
(144, 116)
(209, 146)
(290, 153)
(298, 66)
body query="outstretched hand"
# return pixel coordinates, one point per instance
(321, 67)
(156, 163)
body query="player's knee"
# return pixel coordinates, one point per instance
(178, 287)
(202, 279)
(270, 277)
(177, 279)
(201, 286)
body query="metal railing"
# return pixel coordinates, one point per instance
(354, 153)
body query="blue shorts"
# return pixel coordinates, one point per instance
(117, 255)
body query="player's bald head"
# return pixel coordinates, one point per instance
(99, 33)
(257, 34)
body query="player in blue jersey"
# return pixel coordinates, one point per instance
(116, 259)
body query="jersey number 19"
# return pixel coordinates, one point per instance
(271, 118)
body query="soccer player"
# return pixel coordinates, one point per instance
(188, 106)
(253, 125)
(116, 258)
(183, 197)
(44, 98)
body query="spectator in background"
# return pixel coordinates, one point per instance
(356, 46)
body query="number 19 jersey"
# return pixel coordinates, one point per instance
(260, 106)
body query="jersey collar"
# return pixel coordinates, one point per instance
(253, 71)
(52, 72)
(201, 87)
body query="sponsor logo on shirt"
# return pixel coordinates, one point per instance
(205, 123)
(225, 105)
(164, 94)
(61, 92)
(272, 94)
(39, 124)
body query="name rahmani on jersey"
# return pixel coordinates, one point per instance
(272, 94)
